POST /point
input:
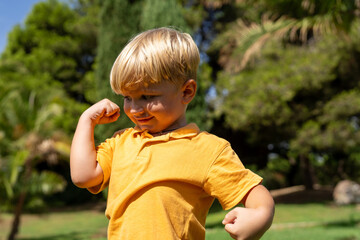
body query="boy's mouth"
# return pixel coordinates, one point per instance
(144, 120)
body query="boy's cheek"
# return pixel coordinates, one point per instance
(126, 109)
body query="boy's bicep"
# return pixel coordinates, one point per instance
(258, 196)
(99, 174)
(98, 183)
(104, 158)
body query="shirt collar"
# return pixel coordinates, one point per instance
(189, 130)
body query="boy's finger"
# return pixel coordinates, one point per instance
(229, 217)
(109, 118)
(230, 228)
(112, 111)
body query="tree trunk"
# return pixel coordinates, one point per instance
(21, 201)
(293, 171)
(307, 172)
(17, 215)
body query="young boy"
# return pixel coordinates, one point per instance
(163, 174)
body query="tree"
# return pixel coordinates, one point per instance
(119, 21)
(290, 21)
(269, 84)
(43, 71)
(55, 49)
(27, 143)
(54, 43)
(297, 103)
(153, 15)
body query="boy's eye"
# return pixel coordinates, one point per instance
(126, 98)
(147, 97)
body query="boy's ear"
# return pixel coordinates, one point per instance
(189, 91)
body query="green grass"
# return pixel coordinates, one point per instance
(292, 222)
(68, 225)
(301, 221)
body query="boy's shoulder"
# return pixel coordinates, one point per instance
(122, 131)
(212, 138)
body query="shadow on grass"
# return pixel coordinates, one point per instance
(351, 223)
(348, 238)
(341, 224)
(67, 236)
(214, 225)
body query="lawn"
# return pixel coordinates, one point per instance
(318, 221)
(292, 222)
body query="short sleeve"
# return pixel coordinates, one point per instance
(104, 156)
(228, 180)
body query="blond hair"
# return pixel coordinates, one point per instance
(156, 55)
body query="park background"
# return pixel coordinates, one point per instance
(279, 79)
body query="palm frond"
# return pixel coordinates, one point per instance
(245, 40)
(248, 40)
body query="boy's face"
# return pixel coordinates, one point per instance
(158, 107)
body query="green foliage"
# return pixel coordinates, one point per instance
(119, 22)
(198, 110)
(50, 47)
(42, 71)
(153, 15)
(265, 95)
(299, 100)
(27, 126)
(332, 141)
(288, 21)
(46, 182)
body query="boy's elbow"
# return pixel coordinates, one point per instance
(86, 181)
(78, 181)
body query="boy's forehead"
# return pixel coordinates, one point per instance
(132, 91)
(148, 87)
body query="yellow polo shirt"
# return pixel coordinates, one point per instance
(162, 187)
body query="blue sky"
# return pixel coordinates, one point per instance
(12, 12)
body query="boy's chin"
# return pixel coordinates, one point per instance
(143, 128)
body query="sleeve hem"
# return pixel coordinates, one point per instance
(100, 187)
(256, 180)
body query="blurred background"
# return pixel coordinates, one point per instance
(279, 79)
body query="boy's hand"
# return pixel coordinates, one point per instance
(252, 221)
(243, 223)
(102, 112)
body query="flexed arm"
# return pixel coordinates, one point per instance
(85, 170)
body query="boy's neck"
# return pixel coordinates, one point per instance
(163, 132)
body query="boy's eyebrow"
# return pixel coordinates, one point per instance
(144, 91)
(148, 90)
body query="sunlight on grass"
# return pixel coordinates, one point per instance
(69, 225)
